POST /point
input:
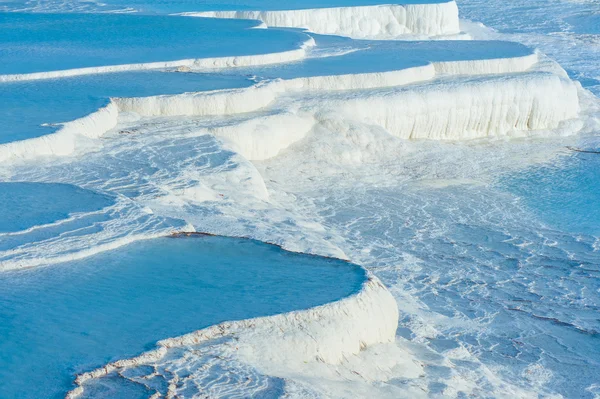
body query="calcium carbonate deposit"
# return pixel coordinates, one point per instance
(449, 148)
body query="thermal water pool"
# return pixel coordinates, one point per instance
(58, 321)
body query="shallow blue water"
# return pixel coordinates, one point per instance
(586, 23)
(58, 321)
(565, 194)
(566, 30)
(48, 42)
(521, 296)
(372, 56)
(25, 205)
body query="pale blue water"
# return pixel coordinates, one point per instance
(566, 30)
(62, 320)
(565, 194)
(26, 205)
(520, 294)
(563, 274)
(585, 23)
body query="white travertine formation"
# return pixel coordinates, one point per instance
(420, 102)
(487, 67)
(326, 333)
(216, 102)
(248, 138)
(441, 100)
(62, 142)
(465, 109)
(380, 21)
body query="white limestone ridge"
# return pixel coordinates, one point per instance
(327, 333)
(442, 110)
(465, 108)
(448, 100)
(379, 21)
(64, 140)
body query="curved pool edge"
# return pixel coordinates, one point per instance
(326, 333)
(198, 64)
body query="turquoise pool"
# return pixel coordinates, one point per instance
(70, 318)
